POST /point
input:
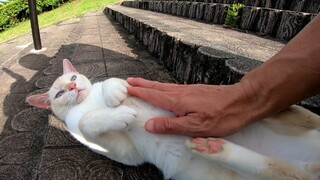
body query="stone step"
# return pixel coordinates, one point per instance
(195, 52)
(310, 6)
(280, 24)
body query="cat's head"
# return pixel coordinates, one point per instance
(67, 91)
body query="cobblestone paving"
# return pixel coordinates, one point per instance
(33, 143)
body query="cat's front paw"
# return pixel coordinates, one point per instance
(123, 117)
(114, 91)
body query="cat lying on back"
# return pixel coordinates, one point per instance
(105, 118)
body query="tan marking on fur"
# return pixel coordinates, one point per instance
(280, 170)
(313, 168)
(298, 116)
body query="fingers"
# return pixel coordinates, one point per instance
(164, 126)
(184, 125)
(155, 97)
(140, 82)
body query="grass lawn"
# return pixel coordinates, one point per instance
(76, 8)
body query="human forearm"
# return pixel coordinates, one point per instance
(290, 76)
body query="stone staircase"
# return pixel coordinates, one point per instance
(193, 45)
(278, 21)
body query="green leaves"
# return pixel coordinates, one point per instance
(233, 15)
(18, 10)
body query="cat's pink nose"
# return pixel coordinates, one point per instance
(72, 86)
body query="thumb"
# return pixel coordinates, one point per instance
(161, 125)
(179, 125)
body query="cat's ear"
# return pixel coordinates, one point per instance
(68, 67)
(40, 101)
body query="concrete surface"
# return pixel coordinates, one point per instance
(33, 143)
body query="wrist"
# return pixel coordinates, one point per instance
(244, 103)
(256, 101)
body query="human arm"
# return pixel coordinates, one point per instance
(207, 110)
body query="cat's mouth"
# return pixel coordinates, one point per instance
(81, 93)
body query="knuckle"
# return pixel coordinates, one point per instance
(168, 125)
(203, 124)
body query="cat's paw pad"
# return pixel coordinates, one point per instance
(208, 146)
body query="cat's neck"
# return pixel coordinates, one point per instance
(60, 112)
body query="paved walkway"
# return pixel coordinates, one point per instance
(33, 143)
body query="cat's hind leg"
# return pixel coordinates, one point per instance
(247, 163)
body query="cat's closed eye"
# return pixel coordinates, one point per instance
(59, 94)
(73, 78)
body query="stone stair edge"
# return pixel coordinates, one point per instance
(198, 53)
(280, 24)
(291, 5)
(208, 2)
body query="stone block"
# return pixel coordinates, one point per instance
(166, 51)
(208, 67)
(154, 42)
(291, 24)
(174, 8)
(184, 53)
(312, 6)
(283, 4)
(220, 13)
(200, 11)
(249, 18)
(209, 12)
(297, 5)
(267, 21)
(240, 66)
(160, 6)
(192, 10)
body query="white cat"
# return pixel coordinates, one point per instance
(105, 118)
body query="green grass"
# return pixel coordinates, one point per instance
(70, 10)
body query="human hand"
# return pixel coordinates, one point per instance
(201, 110)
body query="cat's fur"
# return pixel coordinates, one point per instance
(103, 117)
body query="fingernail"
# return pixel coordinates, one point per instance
(149, 126)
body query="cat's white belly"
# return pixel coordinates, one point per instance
(170, 154)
